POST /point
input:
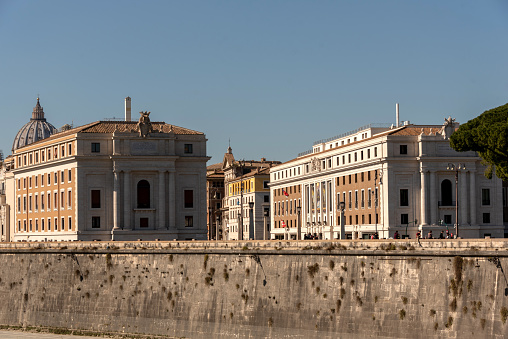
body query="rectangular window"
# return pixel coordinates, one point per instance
(49, 224)
(375, 152)
(70, 223)
(143, 222)
(368, 154)
(63, 224)
(49, 179)
(363, 198)
(403, 149)
(485, 196)
(49, 201)
(448, 219)
(486, 218)
(188, 198)
(356, 199)
(70, 175)
(55, 201)
(96, 222)
(265, 184)
(69, 149)
(96, 147)
(42, 201)
(62, 176)
(42, 179)
(42, 225)
(187, 148)
(404, 197)
(189, 221)
(404, 219)
(266, 198)
(56, 178)
(96, 198)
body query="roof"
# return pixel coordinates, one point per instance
(121, 126)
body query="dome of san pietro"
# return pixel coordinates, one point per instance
(34, 130)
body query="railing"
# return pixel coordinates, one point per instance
(362, 128)
(305, 153)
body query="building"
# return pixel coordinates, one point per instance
(246, 202)
(109, 180)
(399, 178)
(214, 195)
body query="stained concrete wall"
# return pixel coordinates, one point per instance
(260, 289)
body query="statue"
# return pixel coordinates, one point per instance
(144, 125)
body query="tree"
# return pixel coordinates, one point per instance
(486, 134)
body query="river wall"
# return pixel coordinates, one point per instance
(307, 289)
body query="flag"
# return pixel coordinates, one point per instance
(283, 223)
(285, 193)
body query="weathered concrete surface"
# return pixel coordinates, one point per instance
(308, 289)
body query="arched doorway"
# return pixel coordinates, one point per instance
(143, 194)
(446, 193)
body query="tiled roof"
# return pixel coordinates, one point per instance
(417, 130)
(130, 126)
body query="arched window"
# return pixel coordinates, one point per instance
(446, 193)
(143, 194)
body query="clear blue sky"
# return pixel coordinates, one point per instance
(274, 76)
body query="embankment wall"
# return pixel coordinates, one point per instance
(308, 289)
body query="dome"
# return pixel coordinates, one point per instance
(34, 130)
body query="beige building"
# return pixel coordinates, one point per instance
(109, 180)
(399, 178)
(246, 203)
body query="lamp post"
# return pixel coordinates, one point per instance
(298, 223)
(210, 215)
(266, 214)
(217, 220)
(252, 230)
(342, 207)
(456, 168)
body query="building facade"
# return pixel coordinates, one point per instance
(389, 179)
(246, 202)
(110, 180)
(214, 196)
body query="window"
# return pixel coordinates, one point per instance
(96, 222)
(62, 176)
(69, 149)
(55, 201)
(49, 179)
(19, 204)
(189, 221)
(62, 199)
(42, 225)
(485, 196)
(265, 184)
(446, 193)
(42, 179)
(56, 178)
(188, 198)
(70, 175)
(42, 201)
(486, 218)
(69, 199)
(361, 155)
(143, 222)
(63, 224)
(143, 194)
(404, 197)
(63, 151)
(266, 198)
(368, 154)
(375, 151)
(403, 149)
(447, 219)
(49, 201)
(187, 148)
(96, 147)
(96, 198)
(356, 200)
(70, 224)
(404, 219)
(49, 224)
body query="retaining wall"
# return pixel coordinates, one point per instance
(308, 289)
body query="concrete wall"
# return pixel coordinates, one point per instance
(307, 289)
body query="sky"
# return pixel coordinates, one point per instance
(267, 77)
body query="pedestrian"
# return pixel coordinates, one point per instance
(429, 236)
(447, 234)
(441, 235)
(396, 235)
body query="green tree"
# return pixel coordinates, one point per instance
(486, 134)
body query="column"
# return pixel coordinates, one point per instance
(433, 198)
(463, 197)
(171, 200)
(161, 224)
(116, 197)
(472, 198)
(127, 200)
(423, 203)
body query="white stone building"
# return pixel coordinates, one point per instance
(391, 179)
(109, 180)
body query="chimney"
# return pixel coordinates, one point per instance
(128, 109)
(397, 118)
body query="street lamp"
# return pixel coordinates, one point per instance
(456, 168)
(217, 219)
(298, 223)
(342, 206)
(252, 231)
(210, 215)
(266, 214)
